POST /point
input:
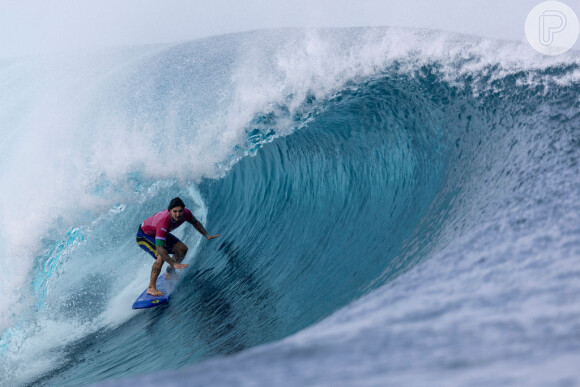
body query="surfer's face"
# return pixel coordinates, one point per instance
(176, 213)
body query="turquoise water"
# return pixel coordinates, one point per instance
(396, 207)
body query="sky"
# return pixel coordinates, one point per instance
(32, 27)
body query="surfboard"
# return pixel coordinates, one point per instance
(148, 301)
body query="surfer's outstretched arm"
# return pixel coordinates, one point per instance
(199, 227)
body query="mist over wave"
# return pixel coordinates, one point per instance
(416, 186)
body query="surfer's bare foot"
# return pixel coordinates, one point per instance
(154, 292)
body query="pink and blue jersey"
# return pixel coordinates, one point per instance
(160, 224)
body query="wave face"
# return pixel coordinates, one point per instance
(395, 206)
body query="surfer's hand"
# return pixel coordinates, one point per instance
(210, 237)
(179, 266)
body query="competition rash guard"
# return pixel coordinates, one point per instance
(161, 223)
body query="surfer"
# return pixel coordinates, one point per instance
(155, 238)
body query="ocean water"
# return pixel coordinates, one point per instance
(396, 207)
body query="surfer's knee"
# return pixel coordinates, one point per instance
(181, 248)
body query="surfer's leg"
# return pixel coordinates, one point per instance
(147, 243)
(177, 248)
(180, 250)
(155, 270)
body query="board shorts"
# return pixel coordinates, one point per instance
(147, 242)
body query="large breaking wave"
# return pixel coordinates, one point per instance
(421, 184)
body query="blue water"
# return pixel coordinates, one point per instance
(396, 207)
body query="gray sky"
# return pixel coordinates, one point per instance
(40, 26)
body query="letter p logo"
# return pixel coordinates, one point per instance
(551, 22)
(552, 28)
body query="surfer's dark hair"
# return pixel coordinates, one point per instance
(176, 202)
